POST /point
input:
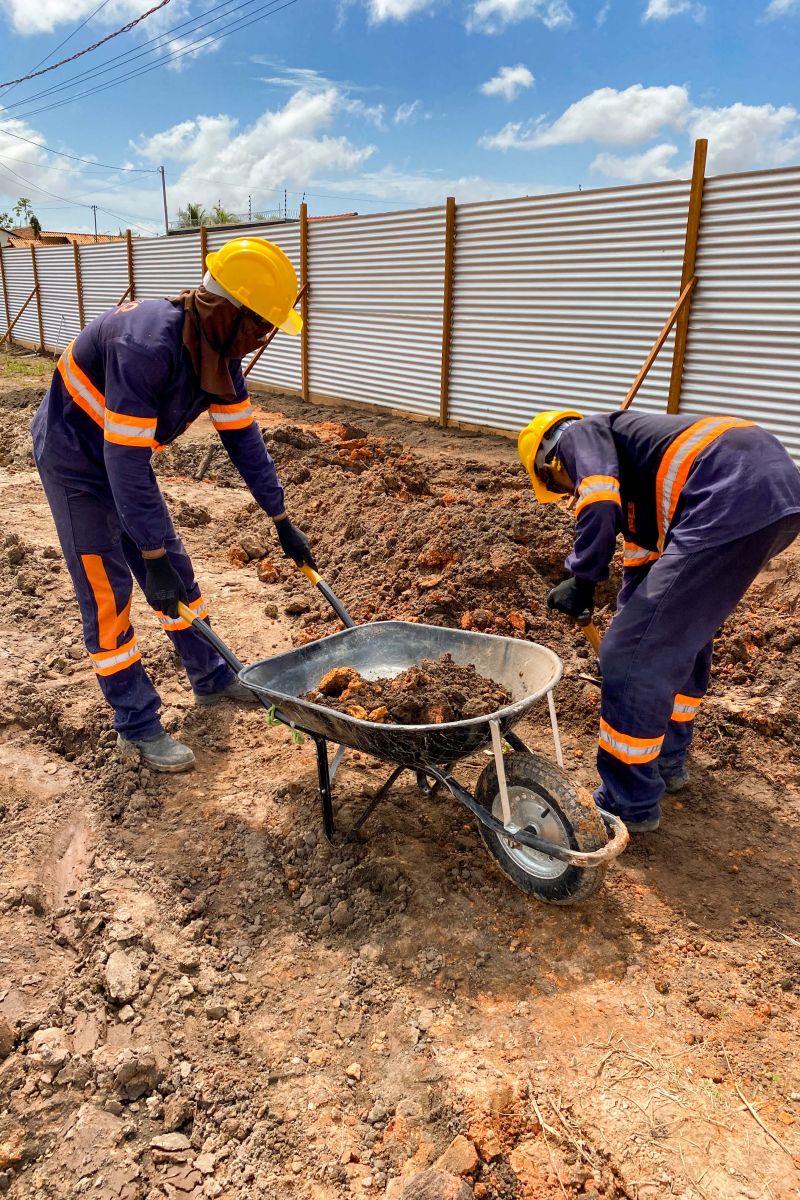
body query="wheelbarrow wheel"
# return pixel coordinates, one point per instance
(544, 801)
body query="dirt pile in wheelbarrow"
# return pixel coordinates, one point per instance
(433, 693)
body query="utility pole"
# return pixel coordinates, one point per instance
(284, 204)
(94, 211)
(164, 195)
(250, 208)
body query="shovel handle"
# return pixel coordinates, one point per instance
(316, 579)
(591, 633)
(205, 630)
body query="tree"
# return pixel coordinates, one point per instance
(221, 216)
(36, 226)
(5, 220)
(191, 216)
(22, 209)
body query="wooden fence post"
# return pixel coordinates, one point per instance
(447, 309)
(689, 260)
(79, 285)
(203, 250)
(129, 246)
(5, 288)
(38, 297)
(304, 378)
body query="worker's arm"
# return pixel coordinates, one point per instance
(240, 435)
(589, 456)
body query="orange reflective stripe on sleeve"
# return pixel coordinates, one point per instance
(80, 387)
(678, 461)
(232, 416)
(110, 623)
(594, 488)
(112, 661)
(124, 430)
(686, 707)
(633, 751)
(637, 556)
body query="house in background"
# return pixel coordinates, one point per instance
(24, 237)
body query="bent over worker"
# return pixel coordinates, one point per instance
(703, 505)
(128, 385)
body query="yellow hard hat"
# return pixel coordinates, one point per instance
(529, 441)
(260, 276)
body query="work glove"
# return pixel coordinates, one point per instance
(163, 586)
(575, 597)
(294, 543)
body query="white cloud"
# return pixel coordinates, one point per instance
(508, 82)
(662, 10)
(782, 8)
(492, 16)
(46, 15)
(744, 137)
(290, 146)
(395, 10)
(654, 164)
(418, 189)
(602, 15)
(606, 116)
(406, 114)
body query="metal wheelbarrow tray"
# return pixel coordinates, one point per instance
(547, 836)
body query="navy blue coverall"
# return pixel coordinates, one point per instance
(123, 389)
(702, 505)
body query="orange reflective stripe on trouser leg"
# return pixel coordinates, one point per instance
(634, 751)
(109, 662)
(110, 623)
(686, 707)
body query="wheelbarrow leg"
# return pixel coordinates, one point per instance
(325, 795)
(380, 795)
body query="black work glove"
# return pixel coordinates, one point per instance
(294, 543)
(573, 597)
(163, 586)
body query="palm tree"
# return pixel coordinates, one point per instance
(192, 216)
(23, 209)
(221, 216)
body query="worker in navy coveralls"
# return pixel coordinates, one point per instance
(702, 505)
(128, 385)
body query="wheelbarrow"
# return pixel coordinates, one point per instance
(546, 835)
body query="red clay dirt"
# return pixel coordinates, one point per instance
(431, 693)
(200, 997)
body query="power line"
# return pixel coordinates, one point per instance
(268, 9)
(88, 49)
(155, 43)
(63, 42)
(76, 157)
(72, 201)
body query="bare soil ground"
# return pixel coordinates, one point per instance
(200, 997)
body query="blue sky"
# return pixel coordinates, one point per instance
(367, 105)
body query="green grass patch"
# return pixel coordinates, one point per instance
(14, 366)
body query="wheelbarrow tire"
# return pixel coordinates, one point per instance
(571, 819)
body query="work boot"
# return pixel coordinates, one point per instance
(160, 753)
(642, 825)
(236, 692)
(674, 773)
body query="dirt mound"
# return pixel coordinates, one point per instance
(430, 694)
(16, 412)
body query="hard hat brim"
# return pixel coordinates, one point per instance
(293, 323)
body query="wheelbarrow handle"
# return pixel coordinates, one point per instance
(316, 579)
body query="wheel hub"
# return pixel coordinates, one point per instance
(532, 812)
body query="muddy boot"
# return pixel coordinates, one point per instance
(675, 774)
(649, 825)
(236, 692)
(160, 753)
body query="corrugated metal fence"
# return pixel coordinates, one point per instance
(555, 302)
